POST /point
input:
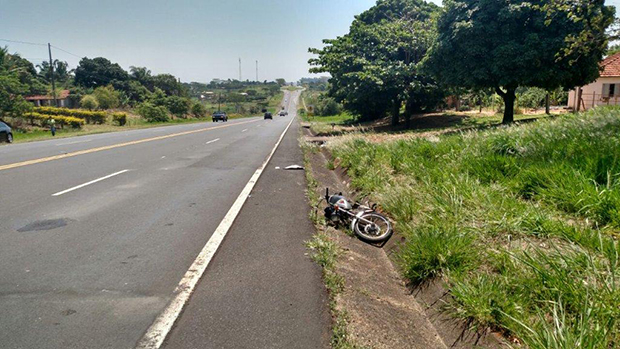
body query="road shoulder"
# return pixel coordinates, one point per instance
(261, 290)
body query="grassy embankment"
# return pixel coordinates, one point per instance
(522, 223)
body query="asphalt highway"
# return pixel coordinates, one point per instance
(97, 231)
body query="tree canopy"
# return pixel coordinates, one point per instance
(511, 43)
(374, 67)
(98, 72)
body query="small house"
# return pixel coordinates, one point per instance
(604, 91)
(48, 100)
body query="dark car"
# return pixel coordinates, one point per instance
(220, 116)
(6, 135)
(268, 116)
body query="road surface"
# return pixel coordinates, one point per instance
(97, 232)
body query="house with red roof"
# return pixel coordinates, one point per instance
(48, 100)
(604, 91)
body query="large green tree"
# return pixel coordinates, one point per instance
(98, 72)
(374, 67)
(169, 84)
(12, 89)
(142, 75)
(504, 44)
(62, 73)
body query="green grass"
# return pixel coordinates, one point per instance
(522, 222)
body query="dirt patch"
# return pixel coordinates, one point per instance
(383, 312)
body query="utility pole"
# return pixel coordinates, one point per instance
(240, 69)
(49, 48)
(219, 102)
(257, 71)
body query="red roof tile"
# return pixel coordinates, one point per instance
(611, 66)
(63, 94)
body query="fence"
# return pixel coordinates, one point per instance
(591, 100)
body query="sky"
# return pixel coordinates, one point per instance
(195, 40)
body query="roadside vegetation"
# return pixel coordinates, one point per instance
(521, 223)
(100, 96)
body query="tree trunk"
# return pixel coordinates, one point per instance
(509, 103)
(547, 105)
(396, 113)
(408, 113)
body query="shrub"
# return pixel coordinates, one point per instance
(120, 118)
(89, 102)
(60, 119)
(107, 97)
(90, 116)
(178, 106)
(199, 110)
(153, 113)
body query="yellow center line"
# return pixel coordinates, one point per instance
(119, 145)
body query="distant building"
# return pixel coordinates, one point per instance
(47, 100)
(604, 91)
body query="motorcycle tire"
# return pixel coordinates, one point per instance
(378, 231)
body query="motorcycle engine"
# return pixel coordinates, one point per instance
(329, 213)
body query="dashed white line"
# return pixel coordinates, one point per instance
(89, 183)
(244, 130)
(213, 141)
(157, 333)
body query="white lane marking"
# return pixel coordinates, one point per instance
(213, 141)
(157, 333)
(76, 142)
(163, 157)
(89, 183)
(244, 130)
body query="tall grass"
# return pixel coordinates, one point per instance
(522, 221)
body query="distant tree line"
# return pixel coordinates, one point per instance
(99, 84)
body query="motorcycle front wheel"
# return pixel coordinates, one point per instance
(372, 227)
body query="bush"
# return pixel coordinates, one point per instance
(120, 118)
(153, 113)
(199, 110)
(60, 119)
(107, 97)
(328, 106)
(178, 106)
(89, 102)
(89, 116)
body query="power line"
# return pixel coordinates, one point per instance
(24, 42)
(65, 51)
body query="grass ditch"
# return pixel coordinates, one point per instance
(325, 252)
(521, 222)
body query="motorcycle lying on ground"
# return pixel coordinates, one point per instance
(368, 224)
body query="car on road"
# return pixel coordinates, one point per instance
(283, 113)
(268, 115)
(6, 134)
(220, 116)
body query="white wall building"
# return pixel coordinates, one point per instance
(604, 91)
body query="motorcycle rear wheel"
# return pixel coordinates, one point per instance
(378, 231)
